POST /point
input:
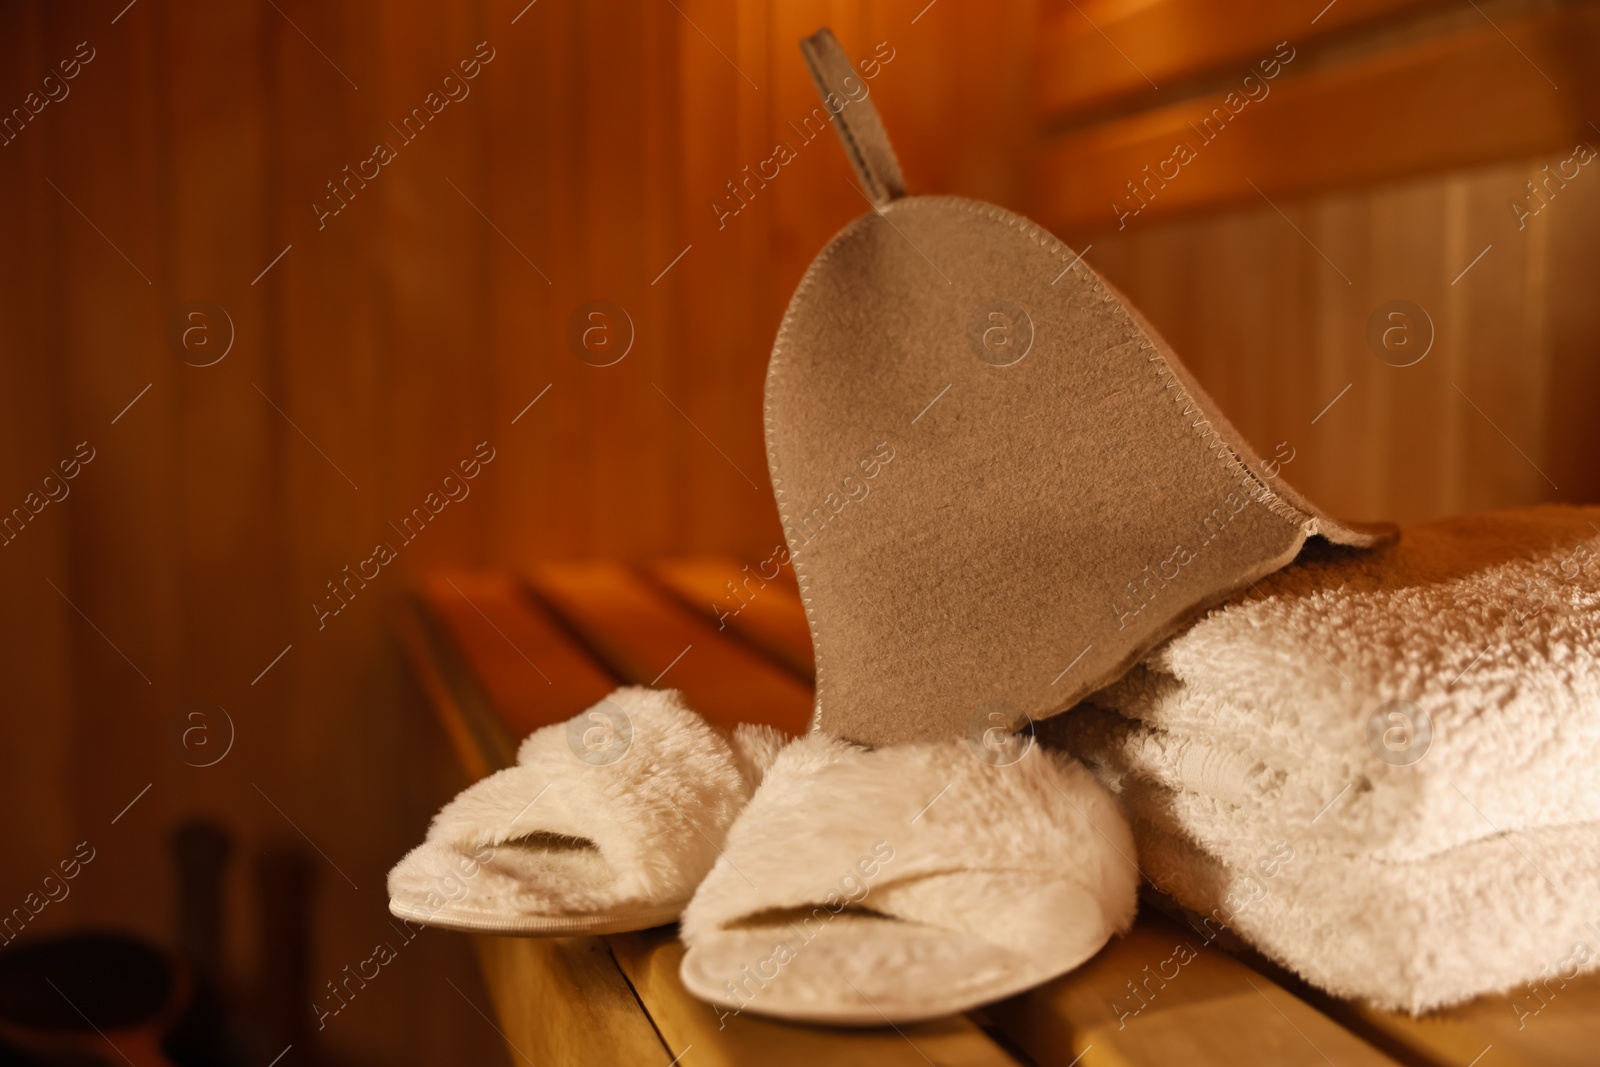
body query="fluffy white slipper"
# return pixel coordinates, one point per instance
(606, 823)
(905, 883)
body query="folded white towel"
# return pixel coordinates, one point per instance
(1414, 729)
(1321, 686)
(1512, 913)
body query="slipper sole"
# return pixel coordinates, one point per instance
(467, 920)
(912, 973)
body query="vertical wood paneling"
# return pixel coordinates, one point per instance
(436, 276)
(666, 235)
(561, 423)
(328, 754)
(619, 262)
(520, 166)
(35, 435)
(1515, 334)
(1571, 436)
(123, 528)
(718, 104)
(211, 167)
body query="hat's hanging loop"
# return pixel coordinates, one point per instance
(845, 96)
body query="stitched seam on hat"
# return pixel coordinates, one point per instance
(775, 363)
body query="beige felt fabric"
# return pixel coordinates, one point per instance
(974, 538)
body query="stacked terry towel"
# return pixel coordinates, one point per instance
(1383, 769)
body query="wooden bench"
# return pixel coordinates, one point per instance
(499, 655)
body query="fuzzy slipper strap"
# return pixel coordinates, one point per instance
(623, 807)
(929, 833)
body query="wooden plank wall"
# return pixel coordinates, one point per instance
(373, 350)
(1500, 413)
(1384, 160)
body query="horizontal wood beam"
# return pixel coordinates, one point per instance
(1465, 98)
(1094, 53)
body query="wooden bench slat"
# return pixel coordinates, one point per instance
(768, 614)
(646, 637)
(564, 1000)
(479, 747)
(531, 671)
(558, 1000)
(1516, 1025)
(651, 959)
(1556, 1027)
(1142, 1001)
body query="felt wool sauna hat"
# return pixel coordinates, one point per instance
(999, 486)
